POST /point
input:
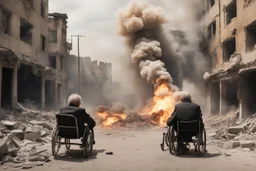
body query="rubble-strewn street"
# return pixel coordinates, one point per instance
(232, 132)
(26, 143)
(25, 137)
(140, 150)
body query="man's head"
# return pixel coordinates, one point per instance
(74, 100)
(186, 97)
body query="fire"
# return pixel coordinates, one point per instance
(163, 105)
(108, 119)
(157, 112)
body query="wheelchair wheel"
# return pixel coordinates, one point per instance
(201, 143)
(173, 141)
(87, 144)
(167, 137)
(67, 144)
(55, 142)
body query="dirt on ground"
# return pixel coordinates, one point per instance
(140, 150)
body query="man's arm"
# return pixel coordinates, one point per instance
(89, 120)
(200, 113)
(172, 119)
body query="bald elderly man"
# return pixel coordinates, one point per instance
(73, 108)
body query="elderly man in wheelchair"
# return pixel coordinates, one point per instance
(185, 126)
(73, 123)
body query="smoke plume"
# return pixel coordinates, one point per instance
(138, 23)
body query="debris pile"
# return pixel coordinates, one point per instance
(233, 133)
(25, 137)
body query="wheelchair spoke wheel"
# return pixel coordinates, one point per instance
(55, 142)
(87, 144)
(201, 143)
(167, 137)
(173, 142)
(67, 144)
(90, 144)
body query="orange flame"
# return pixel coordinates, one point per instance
(109, 119)
(163, 105)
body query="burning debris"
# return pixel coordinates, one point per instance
(107, 117)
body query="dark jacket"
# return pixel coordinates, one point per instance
(185, 112)
(80, 114)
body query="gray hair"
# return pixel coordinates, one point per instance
(182, 96)
(73, 99)
(186, 97)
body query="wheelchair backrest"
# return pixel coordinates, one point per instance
(67, 126)
(189, 127)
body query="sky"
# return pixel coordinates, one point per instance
(95, 19)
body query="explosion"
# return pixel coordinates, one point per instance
(163, 104)
(137, 23)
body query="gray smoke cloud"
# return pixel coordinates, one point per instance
(137, 23)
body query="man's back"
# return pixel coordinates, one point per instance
(187, 111)
(80, 114)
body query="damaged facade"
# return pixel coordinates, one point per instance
(58, 49)
(95, 80)
(231, 32)
(25, 69)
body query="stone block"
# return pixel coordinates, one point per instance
(33, 136)
(8, 123)
(16, 141)
(3, 147)
(247, 144)
(235, 144)
(231, 136)
(236, 129)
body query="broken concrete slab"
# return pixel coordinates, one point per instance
(231, 136)
(3, 147)
(16, 141)
(27, 165)
(48, 126)
(32, 136)
(236, 129)
(8, 123)
(247, 144)
(41, 155)
(235, 144)
(33, 122)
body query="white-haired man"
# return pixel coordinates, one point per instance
(74, 109)
(185, 111)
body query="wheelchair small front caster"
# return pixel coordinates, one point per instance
(162, 147)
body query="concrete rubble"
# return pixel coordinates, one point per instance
(25, 137)
(233, 133)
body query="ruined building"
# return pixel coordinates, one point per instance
(58, 50)
(26, 70)
(95, 80)
(231, 34)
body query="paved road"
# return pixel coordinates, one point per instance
(140, 150)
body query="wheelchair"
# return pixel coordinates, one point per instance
(67, 128)
(185, 128)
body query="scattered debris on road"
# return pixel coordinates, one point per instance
(25, 137)
(233, 133)
(109, 153)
